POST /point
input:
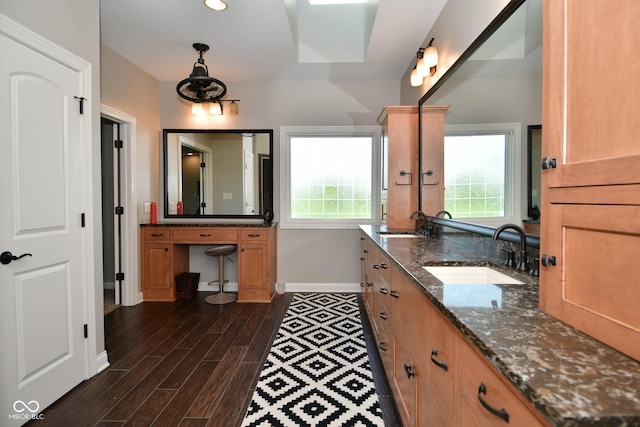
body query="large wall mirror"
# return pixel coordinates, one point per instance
(498, 80)
(218, 173)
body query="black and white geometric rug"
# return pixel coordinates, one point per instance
(317, 372)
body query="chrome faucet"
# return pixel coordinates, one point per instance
(423, 230)
(443, 213)
(523, 264)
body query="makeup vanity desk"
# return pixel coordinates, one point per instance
(164, 253)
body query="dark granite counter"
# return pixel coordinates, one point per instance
(209, 224)
(573, 379)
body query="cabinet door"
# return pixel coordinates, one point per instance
(591, 93)
(253, 283)
(157, 283)
(441, 365)
(593, 284)
(405, 386)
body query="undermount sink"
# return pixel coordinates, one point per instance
(471, 275)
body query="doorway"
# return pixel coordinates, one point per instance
(111, 214)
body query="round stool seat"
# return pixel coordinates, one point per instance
(220, 250)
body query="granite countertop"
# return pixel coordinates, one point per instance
(573, 379)
(209, 224)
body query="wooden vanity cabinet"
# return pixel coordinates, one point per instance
(256, 265)
(590, 234)
(433, 371)
(164, 253)
(400, 146)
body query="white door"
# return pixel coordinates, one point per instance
(249, 187)
(41, 295)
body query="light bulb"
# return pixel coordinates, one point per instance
(197, 109)
(416, 79)
(217, 5)
(215, 109)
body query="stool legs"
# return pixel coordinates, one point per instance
(221, 297)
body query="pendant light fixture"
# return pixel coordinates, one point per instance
(199, 87)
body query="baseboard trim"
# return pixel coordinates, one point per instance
(102, 362)
(322, 287)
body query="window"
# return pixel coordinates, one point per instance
(482, 173)
(328, 177)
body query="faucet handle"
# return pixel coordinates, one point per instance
(511, 258)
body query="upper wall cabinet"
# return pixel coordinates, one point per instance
(399, 165)
(590, 236)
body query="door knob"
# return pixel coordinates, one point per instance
(6, 257)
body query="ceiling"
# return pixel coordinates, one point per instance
(253, 41)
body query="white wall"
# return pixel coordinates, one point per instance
(75, 26)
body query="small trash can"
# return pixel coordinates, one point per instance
(187, 285)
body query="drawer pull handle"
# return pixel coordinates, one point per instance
(361, 285)
(436, 362)
(502, 413)
(409, 370)
(393, 293)
(375, 266)
(366, 251)
(383, 315)
(382, 346)
(253, 235)
(157, 234)
(383, 291)
(369, 284)
(205, 235)
(383, 265)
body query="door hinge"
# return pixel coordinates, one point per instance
(203, 205)
(119, 210)
(117, 143)
(81, 99)
(119, 276)
(86, 330)
(82, 221)
(203, 165)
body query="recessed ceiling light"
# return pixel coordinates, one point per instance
(323, 2)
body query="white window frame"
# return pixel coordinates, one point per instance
(513, 179)
(288, 132)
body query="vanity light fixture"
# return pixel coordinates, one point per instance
(215, 108)
(428, 60)
(217, 5)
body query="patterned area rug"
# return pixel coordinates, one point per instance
(317, 372)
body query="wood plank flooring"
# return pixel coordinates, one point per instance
(186, 363)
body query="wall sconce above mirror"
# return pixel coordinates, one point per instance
(218, 173)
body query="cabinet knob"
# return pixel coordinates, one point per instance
(549, 163)
(409, 370)
(548, 260)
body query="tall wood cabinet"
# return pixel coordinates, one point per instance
(399, 164)
(590, 238)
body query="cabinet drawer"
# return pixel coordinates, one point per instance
(257, 234)
(156, 234)
(500, 399)
(205, 235)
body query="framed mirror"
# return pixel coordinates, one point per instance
(218, 173)
(495, 86)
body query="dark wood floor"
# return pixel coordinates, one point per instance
(186, 363)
